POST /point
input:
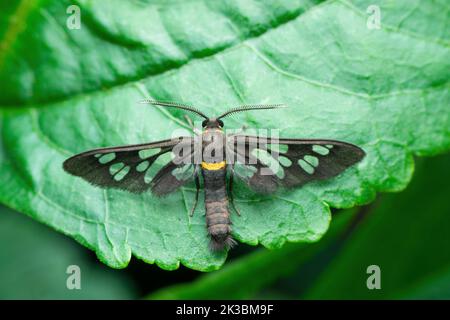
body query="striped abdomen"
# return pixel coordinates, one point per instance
(217, 213)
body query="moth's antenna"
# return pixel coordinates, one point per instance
(174, 105)
(252, 107)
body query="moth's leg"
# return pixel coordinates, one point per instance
(191, 124)
(197, 186)
(189, 120)
(230, 191)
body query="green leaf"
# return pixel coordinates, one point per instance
(34, 261)
(246, 277)
(406, 236)
(65, 91)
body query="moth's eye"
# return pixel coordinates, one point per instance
(204, 123)
(220, 122)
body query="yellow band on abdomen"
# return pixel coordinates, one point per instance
(213, 166)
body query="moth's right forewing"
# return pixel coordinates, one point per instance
(130, 168)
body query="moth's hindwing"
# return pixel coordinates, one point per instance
(265, 163)
(173, 176)
(134, 168)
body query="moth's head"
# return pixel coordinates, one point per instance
(212, 123)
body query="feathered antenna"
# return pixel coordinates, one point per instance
(252, 107)
(174, 105)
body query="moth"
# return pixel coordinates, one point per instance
(264, 163)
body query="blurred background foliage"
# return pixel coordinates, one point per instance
(405, 234)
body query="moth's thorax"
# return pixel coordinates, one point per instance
(212, 135)
(213, 149)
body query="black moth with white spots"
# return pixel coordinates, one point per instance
(263, 163)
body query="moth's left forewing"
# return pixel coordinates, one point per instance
(242, 160)
(290, 162)
(308, 160)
